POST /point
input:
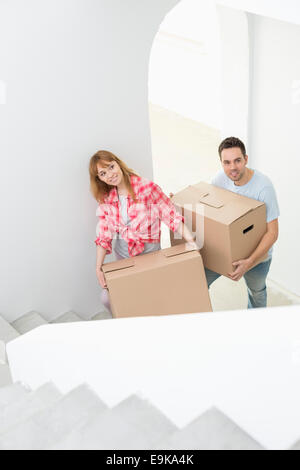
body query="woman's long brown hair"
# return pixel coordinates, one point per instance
(99, 189)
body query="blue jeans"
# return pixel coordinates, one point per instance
(255, 280)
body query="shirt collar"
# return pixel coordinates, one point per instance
(113, 196)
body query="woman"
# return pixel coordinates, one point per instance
(130, 210)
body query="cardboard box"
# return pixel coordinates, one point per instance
(227, 225)
(165, 282)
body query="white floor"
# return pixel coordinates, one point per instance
(228, 295)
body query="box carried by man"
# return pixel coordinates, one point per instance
(228, 226)
(165, 282)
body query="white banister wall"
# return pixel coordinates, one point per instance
(244, 363)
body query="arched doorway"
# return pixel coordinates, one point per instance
(196, 97)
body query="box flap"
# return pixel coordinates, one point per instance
(211, 200)
(195, 195)
(176, 250)
(219, 204)
(118, 265)
(148, 262)
(235, 211)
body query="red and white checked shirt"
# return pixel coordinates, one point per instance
(152, 207)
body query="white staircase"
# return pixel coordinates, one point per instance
(25, 324)
(161, 357)
(45, 420)
(50, 424)
(212, 430)
(30, 404)
(7, 331)
(11, 394)
(28, 322)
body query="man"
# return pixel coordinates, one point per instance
(236, 177)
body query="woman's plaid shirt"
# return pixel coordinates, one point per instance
(152, 207)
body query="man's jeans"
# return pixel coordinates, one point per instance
(255, 281)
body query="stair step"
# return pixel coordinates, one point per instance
(28, 322)
(211, 431)
(102, 316)
(47, 427)
(7, 331)
(109, 432)
(32, 403)
(68, 317)
(153, 424)
(11, 394)
(133, 424)
(5, 376)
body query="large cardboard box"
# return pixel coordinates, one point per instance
(227, 225)
(165, 282)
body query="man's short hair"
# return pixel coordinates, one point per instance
(232, 142)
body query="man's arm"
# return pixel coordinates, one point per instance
(268, 240)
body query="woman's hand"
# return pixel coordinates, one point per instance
(191, 246)
(101, 278)
(171, 195)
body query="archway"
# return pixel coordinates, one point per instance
(198, 91)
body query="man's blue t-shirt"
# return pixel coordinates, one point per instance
(259, 187)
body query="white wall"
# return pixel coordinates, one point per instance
(76, 73)
(234, 38)
(286, 10)
(275, 124)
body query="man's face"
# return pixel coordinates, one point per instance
(234, 163)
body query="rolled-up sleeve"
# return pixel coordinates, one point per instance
(167, 210)
(269, 197)
(103, 233)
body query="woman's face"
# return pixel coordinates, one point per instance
(111, 175)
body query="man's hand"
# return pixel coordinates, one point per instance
(241, 267)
